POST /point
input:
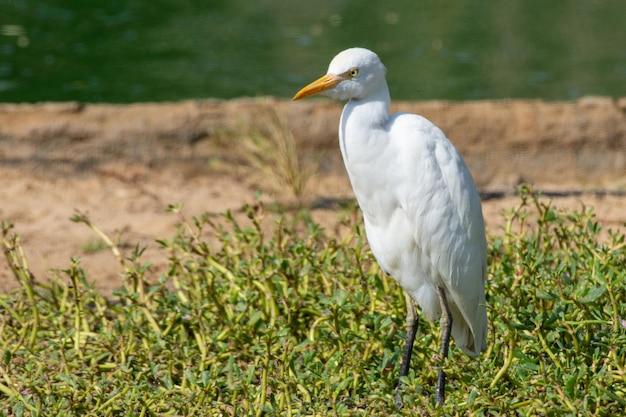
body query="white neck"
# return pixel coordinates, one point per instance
(359, 118)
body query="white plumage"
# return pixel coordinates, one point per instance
(422, 211)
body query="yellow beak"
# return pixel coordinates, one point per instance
(324, 83)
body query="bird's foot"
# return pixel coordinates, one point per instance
(399, 403)
(441, 388)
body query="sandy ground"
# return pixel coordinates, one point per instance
(123, 165)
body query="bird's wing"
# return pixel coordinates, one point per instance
(442, 202)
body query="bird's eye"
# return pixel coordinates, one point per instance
(353, 72)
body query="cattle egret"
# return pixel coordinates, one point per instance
(422, 213)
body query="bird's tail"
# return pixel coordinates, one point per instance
(470, 335)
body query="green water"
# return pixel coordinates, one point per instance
(139, 50)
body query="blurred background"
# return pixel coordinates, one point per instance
(122, 51)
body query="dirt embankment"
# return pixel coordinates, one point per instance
(123, 164)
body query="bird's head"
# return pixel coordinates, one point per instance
(352, 74)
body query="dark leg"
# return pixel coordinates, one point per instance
(411, 329)
(446, 327)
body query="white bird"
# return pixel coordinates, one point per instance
(421, 208)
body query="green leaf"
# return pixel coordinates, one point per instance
(190, 376)
(592, 295)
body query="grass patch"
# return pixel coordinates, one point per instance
(94, 246)
(267, 151)
(295, 322)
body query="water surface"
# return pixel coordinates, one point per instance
(139, 50)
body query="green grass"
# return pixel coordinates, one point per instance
(295, 322)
